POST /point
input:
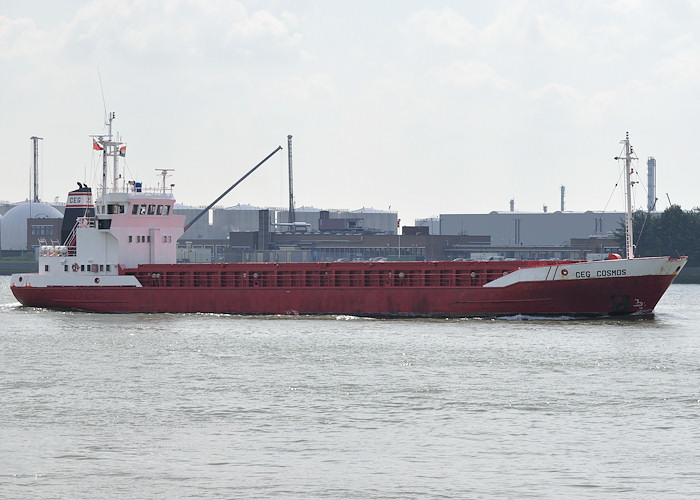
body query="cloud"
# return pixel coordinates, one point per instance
(508, 24)
(625, 6)
(682, 68)
(461, 73)
(259, 25)
(443, 27)
(20, 38)
(570, 101)
(599, 105)
(169, 29)
(557, 92)
(308, 88)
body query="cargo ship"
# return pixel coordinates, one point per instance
(118, 255)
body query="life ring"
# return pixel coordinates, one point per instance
(75, 267)
(97, 280)
(83, 222)
(564, 272)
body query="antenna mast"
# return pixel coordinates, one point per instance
(164, 174)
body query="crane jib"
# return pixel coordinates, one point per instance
(229, 189)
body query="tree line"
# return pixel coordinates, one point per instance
(673, 232)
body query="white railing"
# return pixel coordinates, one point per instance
(56, 251)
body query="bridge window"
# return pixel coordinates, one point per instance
(42, 230)
(151, 209)
(134, 209)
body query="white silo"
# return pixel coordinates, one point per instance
(13, 231)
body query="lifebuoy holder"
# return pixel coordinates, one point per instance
(75, 267)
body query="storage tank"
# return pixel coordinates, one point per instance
(13, 231)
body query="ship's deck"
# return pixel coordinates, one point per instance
(330, 274)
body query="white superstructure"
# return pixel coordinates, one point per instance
(130, 227)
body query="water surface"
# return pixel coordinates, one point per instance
(221, 406)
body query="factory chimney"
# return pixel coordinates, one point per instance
(563, 189)
(651, 182)
(292, 218)
(36, 140)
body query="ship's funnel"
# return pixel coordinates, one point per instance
(78, 204)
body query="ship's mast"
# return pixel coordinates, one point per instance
(105, 152)
(628, 157)
(115, 168)
(109, 147)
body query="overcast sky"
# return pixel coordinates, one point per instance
(426, 107)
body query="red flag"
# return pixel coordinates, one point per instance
(96, 146)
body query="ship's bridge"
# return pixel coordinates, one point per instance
(155, 204)
(128, 229)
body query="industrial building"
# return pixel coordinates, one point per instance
(352, 238)
(245, 218)
(244, 233)
(526, 228)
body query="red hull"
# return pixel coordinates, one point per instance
(450, 298)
